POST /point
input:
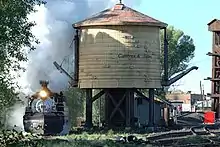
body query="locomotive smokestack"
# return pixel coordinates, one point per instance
(44, 83)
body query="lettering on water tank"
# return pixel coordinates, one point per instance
(112, 45)
(128, 37)
(139, 72)
(146, 43)
(132, 45)
(151, 42)
(137, 46)
(106, 66)
(120, 55)
(132, 41)
(147, 78)
(131, 66)
(145, 47)
(148, 51)
(148, 56)
(129, 56)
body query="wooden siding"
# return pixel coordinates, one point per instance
(119, 57)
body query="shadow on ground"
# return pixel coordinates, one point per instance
(191, 119)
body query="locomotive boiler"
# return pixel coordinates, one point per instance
(46, 112)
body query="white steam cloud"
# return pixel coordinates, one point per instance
(55, 33)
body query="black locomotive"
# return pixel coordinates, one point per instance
(46, 113)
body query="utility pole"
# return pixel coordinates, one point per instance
(202, 94)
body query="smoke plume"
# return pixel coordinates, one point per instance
(55, 33)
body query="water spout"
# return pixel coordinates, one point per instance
(179, 76)
(62, 70)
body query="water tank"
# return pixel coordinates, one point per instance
(119, 48)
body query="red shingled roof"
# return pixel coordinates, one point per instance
(120, 15)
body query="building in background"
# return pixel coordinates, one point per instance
(141, 111)
(189, 101)
(214, 27)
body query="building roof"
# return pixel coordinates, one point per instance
(214, 25)
(212, 21)
(156, 99)
(148, 99)
(120, 15)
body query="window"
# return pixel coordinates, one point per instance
(217, 38)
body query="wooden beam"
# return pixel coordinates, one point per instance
(89, 108)
(115, 104)
(163, 100)
(130, 120)
(151, 108)
(117, 107)
(98, 95)
(140, 94)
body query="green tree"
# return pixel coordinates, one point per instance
(75, 99)
(98, 109)
(15, 36)
(180, 50)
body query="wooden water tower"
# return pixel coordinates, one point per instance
(214, 27)
(118, 51)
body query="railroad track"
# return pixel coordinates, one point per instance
(205, 136)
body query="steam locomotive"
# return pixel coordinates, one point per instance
(46, 113)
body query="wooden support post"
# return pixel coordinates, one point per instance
(166, 113)
(98, 95)
(131, 97)
(151, 108)
(213, 104)
(217, 108)
(130, 108)
(127, 111)
(89, 108)
(107, 121)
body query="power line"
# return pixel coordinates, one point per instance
(199, 61)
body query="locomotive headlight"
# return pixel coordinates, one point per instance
(43, 94)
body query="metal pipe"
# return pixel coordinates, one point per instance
(165, 56)
(59, 67)
(213, 54)
(76, 56)
(166, 81)
(179, 76)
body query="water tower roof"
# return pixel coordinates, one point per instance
(120, 15)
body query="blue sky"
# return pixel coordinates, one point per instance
(192, 17)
